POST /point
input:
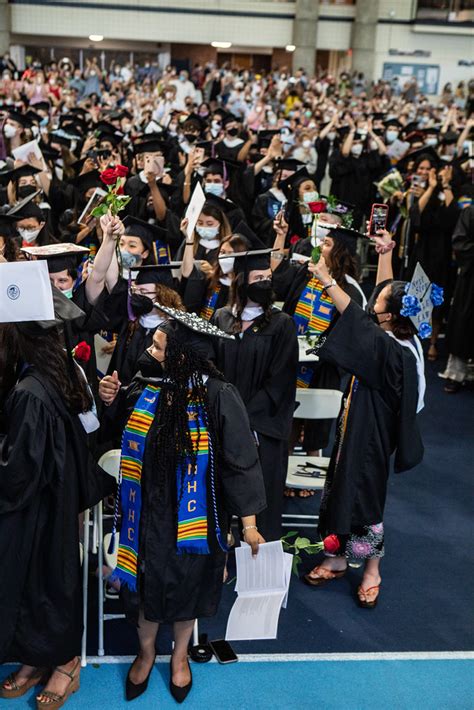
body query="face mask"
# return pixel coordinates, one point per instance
(204, 114)
(227, 264)
(25, 190)
(44, 121)
(182, 78)
(149, 366)
(207, 232)
(310, 196)
(151, 320)
(29, 235)
(373, 145)
(140, 305)
(67, 293)
(9, 130)
(391, 136)
(190, 137)
(232, 131)
(466, 145)
(332, 136)
(375, 317)
(307, 143)
(127, 128)
(321, 231)
(431, 141)
(216, 125)
(260, 292)
(357, 149)
(129, 261)
(214, 188)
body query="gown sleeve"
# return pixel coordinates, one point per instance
(239, 471)
(359, 346)
(24, 449)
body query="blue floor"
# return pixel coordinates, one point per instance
(324, 685)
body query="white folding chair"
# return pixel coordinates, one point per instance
(309, 472)
(110, 462)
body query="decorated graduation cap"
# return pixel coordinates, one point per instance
(347, 237)
(156, 273)
(421, 296)
(191, 331)
(345, 210)
(145, 231)
(59, 257)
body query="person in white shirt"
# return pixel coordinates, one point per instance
(184, 89)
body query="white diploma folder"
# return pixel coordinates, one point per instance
(262, 587)
(25, 292)
(196, 203)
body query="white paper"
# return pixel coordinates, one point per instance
(196, 203)
(25, 292)
(102, 359)
(23, 151)
(262, 586)
(397, 149)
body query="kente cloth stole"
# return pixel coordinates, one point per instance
(314, 310)
(162, 252)
(192, 513)
(303, 377)
(210, 306)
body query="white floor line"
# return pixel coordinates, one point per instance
(304, 657)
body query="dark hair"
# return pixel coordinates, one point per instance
(238, 298)
(342, 262)
(46, 354)
(11, 252)
(211, 210)
(402, 326)
(238, 243)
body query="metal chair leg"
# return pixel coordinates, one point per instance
(100, 558)
(85, 587)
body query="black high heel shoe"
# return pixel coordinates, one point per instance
(179, 694)
(134, 690)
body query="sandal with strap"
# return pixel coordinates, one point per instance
(57, 701)
(368, 597)
(15, 690)
(323, 576)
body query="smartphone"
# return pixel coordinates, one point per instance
(157, 164)
(223, 651)
(378, 218)
(417, 181)
(199, 153)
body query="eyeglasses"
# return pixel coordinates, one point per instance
(136, 291)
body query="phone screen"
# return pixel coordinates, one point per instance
(199, 153)
(417, 181)
(223, 651)
(378, 218)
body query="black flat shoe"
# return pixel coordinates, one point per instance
(134, 690)
(180, 694)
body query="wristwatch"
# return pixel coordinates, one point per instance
(329, 285)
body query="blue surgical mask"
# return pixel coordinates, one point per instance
(214, 188)
(129, 261)
(207, 232)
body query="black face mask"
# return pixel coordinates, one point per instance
(374, 317)
(149, 366)
(190, 137)
(232, 131)
(260, 292)
(141, 305)
(25, 191)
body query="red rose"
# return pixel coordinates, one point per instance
(294, 239)
(119, 190)
(317, 207)
(331, 544)
(109, 176)
(121, 171)
(82, 351)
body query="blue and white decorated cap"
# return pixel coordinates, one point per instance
(420, 298)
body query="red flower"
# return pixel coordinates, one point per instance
(82, 351)
(294, 239)
(108, 176)
(317, 207)
(331, 544)
(121, 171)
(119, 190)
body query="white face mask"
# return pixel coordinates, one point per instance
(431, 141)
(373, 145)
(151, 320)
(307, 218)
(307, 143)
(357, 149)
(209, 243)
(29, 235)
(214, 188)
(310, 196)
(9, 130)
(391, 136)
(209, 233)
(332, 135)
(227, 264)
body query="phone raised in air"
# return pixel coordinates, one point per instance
(223, 651)
(378, 218)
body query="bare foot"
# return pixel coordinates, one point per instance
(370, 580)
(181, 672)
(334, 564)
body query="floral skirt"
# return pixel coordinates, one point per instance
(364, 543)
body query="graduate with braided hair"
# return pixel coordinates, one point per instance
(189, 462)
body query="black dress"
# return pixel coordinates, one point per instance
(180, 587)
(460, 333)
(262, 365)
(379, 412)
(46, 478)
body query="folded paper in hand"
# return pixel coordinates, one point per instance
(262, 587)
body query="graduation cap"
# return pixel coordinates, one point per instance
(115, 138)
(148, 233)
(429, 129)
(206, 145)
(60, 257)
(393, 122)
(246, 261)
(244, 230)
(26, 208)
(88, 180)
(292, 182)
(186, 325)
(289, 164)
(20, 118)
(35, 117)
(7, 225)
(21, 171)
(421, 296)
(61, 138)
(264, 138)
(427, 152)
(43, 106)
(150, 146)
(195, 120)
(225, 206)
(65, 312)
(230, 118)
(156, 273)
(347, 237)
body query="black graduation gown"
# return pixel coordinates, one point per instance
(95, 320)
(195, 292)
(265, 209)
(46, 478)
(352, 180)
(262, 365)
(460, 333)
(381, 421)
(182, 587)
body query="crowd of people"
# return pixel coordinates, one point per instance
(167, 343)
